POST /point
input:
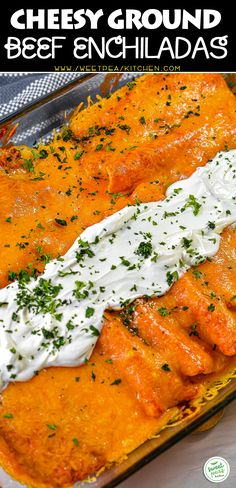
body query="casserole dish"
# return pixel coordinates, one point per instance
(34, 123)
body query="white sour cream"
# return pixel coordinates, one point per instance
(56, 319)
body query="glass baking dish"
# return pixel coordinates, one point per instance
(39, 121)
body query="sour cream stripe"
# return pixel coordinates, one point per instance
(56, 319)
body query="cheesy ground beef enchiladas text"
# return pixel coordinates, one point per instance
(67, 423)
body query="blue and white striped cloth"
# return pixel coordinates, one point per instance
(19, 89)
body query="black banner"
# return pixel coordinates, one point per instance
(89, 38)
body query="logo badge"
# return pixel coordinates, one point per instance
(216, 469)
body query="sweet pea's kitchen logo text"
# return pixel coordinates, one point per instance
(116, 35)
(216, 469)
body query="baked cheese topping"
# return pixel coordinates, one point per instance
(56, 319)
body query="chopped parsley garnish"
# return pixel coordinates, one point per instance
(172, 277)
(131, 84)
(93, 376)
(98, 147)
(211, 225)
(78, 155)
(186, 242)
(163, 311)
(192, 202)
(144, 249)
(166, 367)
(194, 331)
(124, 261)
(84, 250)
(94, 330)
(28, 165)
(52, 426)
(125, 127)
(79, 291)
(48, 334)
(43, 154)
(197, 274)
(89, 312)
(12, 275)
(75, 441)
(66, 134)
(142, 120)
(61, 222)
(116, 382)
(70, 325)
(42, 299)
